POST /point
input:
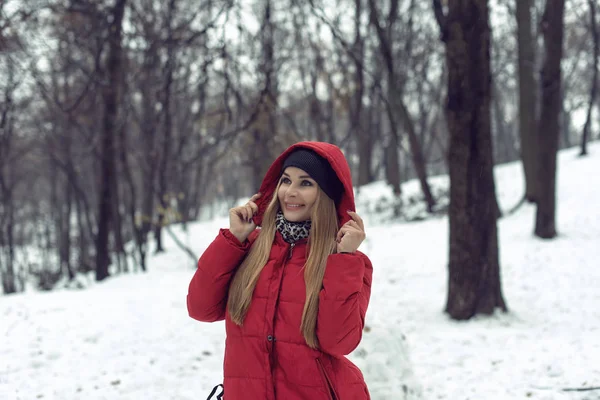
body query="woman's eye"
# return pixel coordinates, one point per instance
(285, 180)
(306, 183)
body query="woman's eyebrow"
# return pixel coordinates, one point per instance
(300, 177)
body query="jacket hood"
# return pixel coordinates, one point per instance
(336, 159)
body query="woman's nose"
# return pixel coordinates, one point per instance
(292, 191)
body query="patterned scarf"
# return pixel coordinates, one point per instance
(292, 231)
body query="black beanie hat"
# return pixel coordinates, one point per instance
(319, 169)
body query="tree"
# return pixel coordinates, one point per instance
(527, 95)
(364, 139)
(167, 137)
(107, 158)
(552, 26)
(399, 113)
(7, 181)
(594, 89)
(474, 269)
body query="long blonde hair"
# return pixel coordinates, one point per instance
(321, 244)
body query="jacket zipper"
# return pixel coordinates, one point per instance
(327, 381)
(273, 352)
(279, 289)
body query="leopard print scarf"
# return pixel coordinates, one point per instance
(292, 231)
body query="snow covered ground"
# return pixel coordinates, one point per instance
(130, 337)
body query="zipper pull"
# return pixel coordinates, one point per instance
(291, 250)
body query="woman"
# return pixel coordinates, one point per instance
(294, 293)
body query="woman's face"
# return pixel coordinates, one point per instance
(297, 194)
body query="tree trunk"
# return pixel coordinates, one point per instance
(392, 171)
(107, 170)
(365, 158)
(363, 138)
(10, 284)
(505, 139)
(137, 226)
(84, 262)
(588, 120)
(150, 120)
(549, 127)
(163, 196)
(474, 272)
(117, 223)
(265, 127)
(7, 199)
(564, 123)
(7, 244)
(527, 97)
(65, 242)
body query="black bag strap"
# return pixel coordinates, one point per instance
(220, 395)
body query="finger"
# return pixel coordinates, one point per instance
(256, 197)
(249, 212)
(243, 213)
(238, 213)
(357, 219)
(253, 206)
(343, 231)
(354, 225)
(346, 225)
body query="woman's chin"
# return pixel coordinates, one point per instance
(295, 216)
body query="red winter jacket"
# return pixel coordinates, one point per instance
(267, 358)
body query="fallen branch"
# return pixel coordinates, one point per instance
(572, 389)
(181, 245)
(581, 389)
(517, 206)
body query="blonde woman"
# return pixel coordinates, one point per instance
(295, 292)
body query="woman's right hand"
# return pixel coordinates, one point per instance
(240, 219)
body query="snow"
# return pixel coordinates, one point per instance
(130, 337)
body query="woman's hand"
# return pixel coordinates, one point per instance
(240, 219)
(351, 234)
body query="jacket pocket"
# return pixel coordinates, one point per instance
(326, 381)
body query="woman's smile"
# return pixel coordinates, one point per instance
(293, 206)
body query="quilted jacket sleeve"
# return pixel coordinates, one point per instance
(209, 287)
(343, 302)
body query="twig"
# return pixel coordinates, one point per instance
(572, 389)
(581, 389)
(180, 244)
(517, 206)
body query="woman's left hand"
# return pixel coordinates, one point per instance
(351, 234)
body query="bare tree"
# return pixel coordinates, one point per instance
(594, 89)
(167, 137)
(527, 96)
(265, 128)
(474, 271)
(8, 181)
(364, 139)
(110, 119)
(399, 110)
(549, 128)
